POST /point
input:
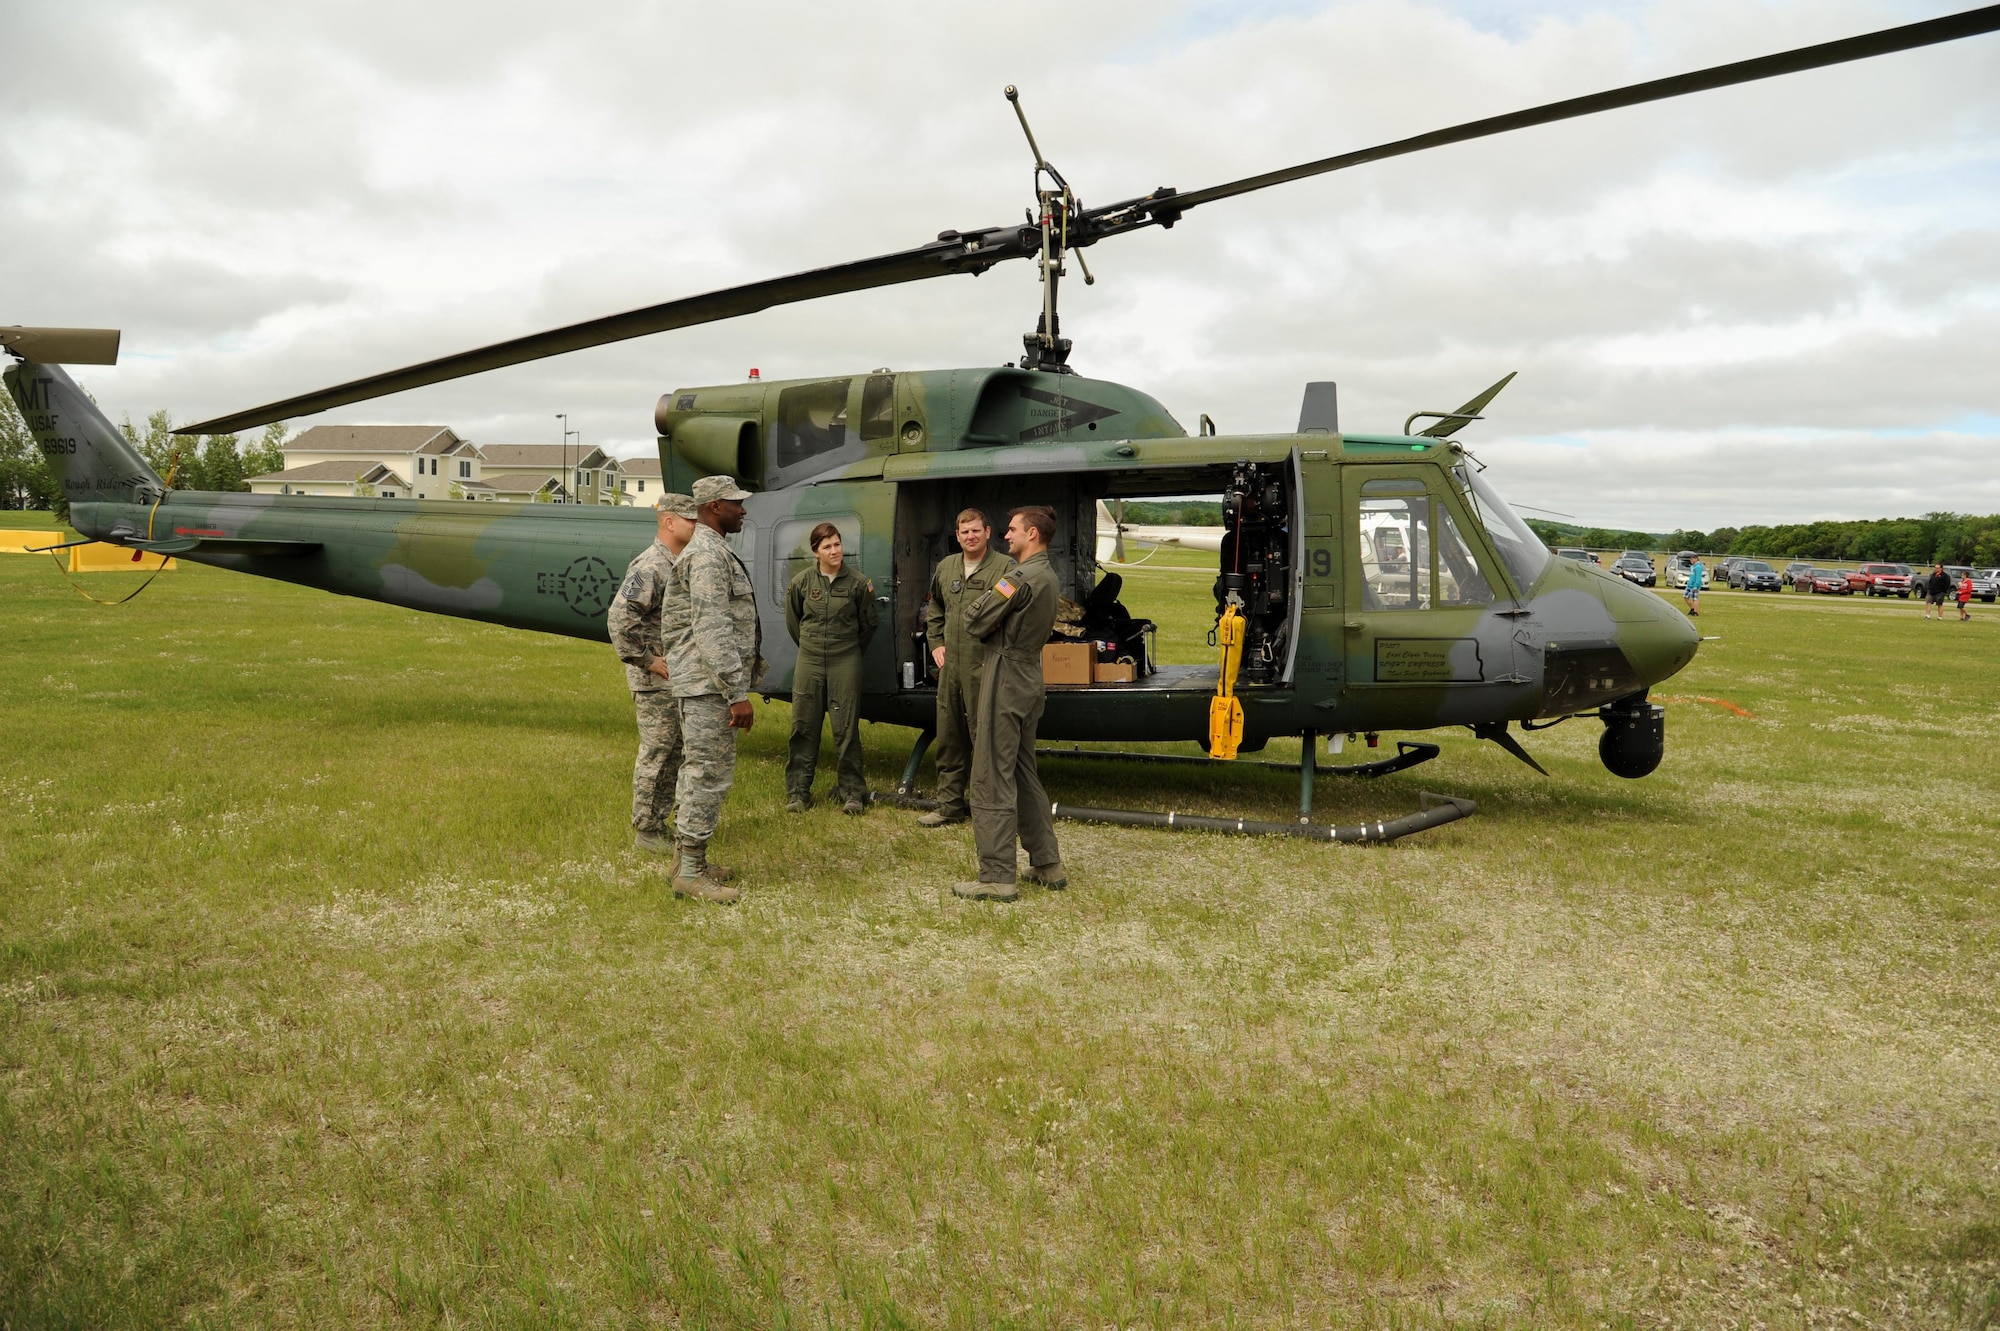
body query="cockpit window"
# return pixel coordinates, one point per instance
(1520, 549)
(812, 419)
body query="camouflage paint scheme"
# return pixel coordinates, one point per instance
(889, 458)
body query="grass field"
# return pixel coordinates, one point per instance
(332, 994)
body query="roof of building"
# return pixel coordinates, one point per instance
(553, 456)
(320, 471)
(647, 467)
(523, 483)
(376, 439)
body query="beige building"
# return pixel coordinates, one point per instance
(548, 473)
(380, 461)
(639, 479)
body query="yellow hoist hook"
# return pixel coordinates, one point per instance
(1225, 711)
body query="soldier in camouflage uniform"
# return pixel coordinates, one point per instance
(960, 580)
(712, 665)
(1013, 621)
(830, 611)
(633, 621)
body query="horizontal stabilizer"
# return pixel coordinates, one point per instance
(62, 346)
(218, 545)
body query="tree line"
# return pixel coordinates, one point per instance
(201, 462)
(1935, 538)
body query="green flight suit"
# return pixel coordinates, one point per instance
(832, 622)
(952, 591)
(1013, 621)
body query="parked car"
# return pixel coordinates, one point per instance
(1830, 581)
(1753, 575)
(1798, 574)
(1983, 585)
(1572, 552)
(1720, 572)
(1636, 568)
(1885, 580)
(1991, 575)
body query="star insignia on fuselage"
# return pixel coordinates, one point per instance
(587, 585)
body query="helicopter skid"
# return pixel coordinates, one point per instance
(1433, 810)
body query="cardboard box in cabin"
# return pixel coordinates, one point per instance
(1067, 662)
(1113, 672)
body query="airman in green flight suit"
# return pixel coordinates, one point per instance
(1013, 620)
(831, 612)
(960, 580)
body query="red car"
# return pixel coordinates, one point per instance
(1831, 581)
(1885, 580)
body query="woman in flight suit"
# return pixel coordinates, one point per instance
(830, 610)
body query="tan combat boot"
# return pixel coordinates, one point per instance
(1051, 876)
(986, 891)
(693, 879)
(653, 843)
(943, 818)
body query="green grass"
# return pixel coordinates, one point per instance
(332, 994)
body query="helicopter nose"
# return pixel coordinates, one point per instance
(1657, 640)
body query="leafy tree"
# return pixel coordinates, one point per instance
(268, 453)
(204, 462)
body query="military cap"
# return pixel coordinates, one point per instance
(711, 488)
(680, 505)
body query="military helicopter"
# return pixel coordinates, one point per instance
(1365, 582)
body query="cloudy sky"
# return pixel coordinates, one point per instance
(1774, 302)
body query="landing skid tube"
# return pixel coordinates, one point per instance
(1432, 810)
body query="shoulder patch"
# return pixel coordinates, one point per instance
(635, 583)
(1006, 588)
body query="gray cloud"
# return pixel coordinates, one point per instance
(1789, 283)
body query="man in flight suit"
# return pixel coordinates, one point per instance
(960, 580)
(1013, 622)
(712, 665)
(634, 623)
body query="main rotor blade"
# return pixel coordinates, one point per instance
(1909, 37)
(931, 260)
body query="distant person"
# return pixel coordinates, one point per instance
(637, 635)
(1965, 598)
(1691, 593)
(959, 580)
(830, 611)
(1937, 588)
(1013, 622)
(714, 662)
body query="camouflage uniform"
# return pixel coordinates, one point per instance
(832, 622)
(715, 660)
(1013, 620)
(634, 623)
(952, 590)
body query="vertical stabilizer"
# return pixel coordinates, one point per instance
(91, 459)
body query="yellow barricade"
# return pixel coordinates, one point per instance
(23, 542)
(97, 557)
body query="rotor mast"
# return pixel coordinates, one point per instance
(1046, 348)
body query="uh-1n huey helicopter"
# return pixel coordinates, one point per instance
(1365, 582)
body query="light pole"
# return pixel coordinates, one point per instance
(569, 476)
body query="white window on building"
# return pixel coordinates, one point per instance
(465, 469)
(642, 487)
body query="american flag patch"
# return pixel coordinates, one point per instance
(1005, 588)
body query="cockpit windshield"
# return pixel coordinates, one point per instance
(1520, 549)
